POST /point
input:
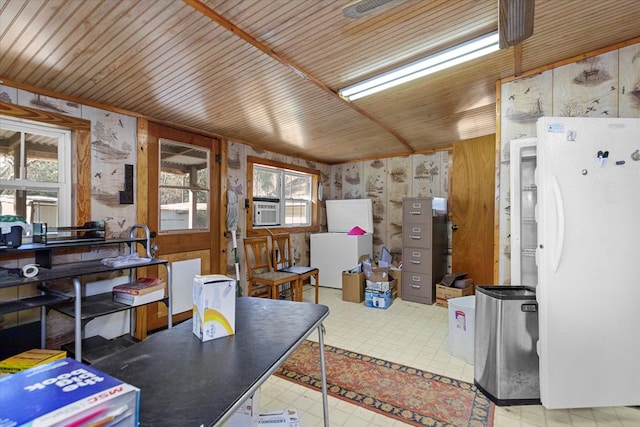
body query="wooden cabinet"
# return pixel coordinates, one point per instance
(424, 247)
(81, 309)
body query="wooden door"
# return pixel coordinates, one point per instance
(472, 208)
(182, 246)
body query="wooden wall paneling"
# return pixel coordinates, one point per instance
(56, 119)
(497, 220)
(83, 169)
(142, 179)
(219, 216)
(142, 211)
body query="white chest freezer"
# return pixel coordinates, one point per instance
(336, 251)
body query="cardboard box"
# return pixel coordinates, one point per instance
(378, 274)
(283, 418)
(444, 293)
(376, 299)
(396, 273)
(66, 392)
(29, 359)
(381, 300)
(352, 287)
(214, 306)
(379, 286)
(247, 414)
(462, 283)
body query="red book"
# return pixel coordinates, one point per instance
(141, 286)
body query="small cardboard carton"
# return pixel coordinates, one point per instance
(352, 287)
(460, 288)
(280, 418)
(247, 414)
(380, 286)
(29, 359)
(396, 273)
(214, 306)
(380, 299)
(67, 392)
(374, 273)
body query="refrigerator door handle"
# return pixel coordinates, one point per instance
(559, 243)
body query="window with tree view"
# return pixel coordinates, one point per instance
(288, 191)
(184, 186)
(35, 172)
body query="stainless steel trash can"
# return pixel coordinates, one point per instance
(506, 332)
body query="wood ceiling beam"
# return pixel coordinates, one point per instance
(517, 59)
(225, 23)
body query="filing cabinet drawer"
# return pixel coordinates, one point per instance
(418, 287)
(416, 235)
(417, 260)
(416, 211)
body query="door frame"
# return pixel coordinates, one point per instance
(209, 246)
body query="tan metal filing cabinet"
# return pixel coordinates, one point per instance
(424, 247)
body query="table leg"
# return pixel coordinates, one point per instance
(43, 327)
(325, 403)
(170, 297)
(78, 318)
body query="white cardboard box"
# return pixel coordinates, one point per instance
(247, 414)
(379, 286)
(214, 306)
(284, 418)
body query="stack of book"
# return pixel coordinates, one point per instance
(65, 392)
(141, 291)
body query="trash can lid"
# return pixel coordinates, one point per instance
(508, 292)
(463, 302)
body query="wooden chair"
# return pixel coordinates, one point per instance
(262, 280)
(282, 259)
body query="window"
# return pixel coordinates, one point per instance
(183, 186)
(35, 172)
(282, 195)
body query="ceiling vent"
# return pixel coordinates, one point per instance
(363, 7)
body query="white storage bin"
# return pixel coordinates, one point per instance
(462, 316)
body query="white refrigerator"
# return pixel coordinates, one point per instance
(588, 293)
(336, 251)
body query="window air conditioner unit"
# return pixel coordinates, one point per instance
(266, 213)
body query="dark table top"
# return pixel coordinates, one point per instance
(186, 382)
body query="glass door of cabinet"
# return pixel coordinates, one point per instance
(524, 196)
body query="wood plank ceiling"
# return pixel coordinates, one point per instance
(266, 72)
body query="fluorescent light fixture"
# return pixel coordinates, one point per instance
(447, 58)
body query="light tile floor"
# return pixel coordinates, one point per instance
(415, 335)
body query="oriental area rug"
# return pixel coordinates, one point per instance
(406, 394)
